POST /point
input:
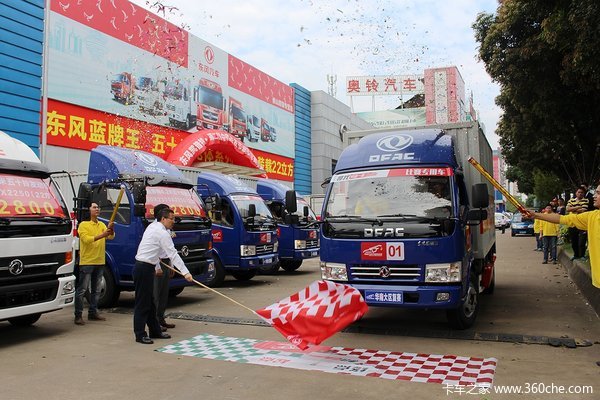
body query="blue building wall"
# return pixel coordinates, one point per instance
(302, 165)
(21, 48)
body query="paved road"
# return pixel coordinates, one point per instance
(533, 305)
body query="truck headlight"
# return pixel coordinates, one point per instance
(299, 244)
(443, 272)
(275, 246)
(247, 250)
(334, 271)
(69, 288)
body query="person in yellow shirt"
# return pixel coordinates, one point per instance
(549, 235)
(92, 258)
(537, 224)
(589, 221)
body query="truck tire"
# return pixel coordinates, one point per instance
(109, 292)
(219, 274)
(290, 265)
(175, 291)
(244, 275)
(464, 316)
(25, 320)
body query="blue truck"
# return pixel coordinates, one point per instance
(296, 224)
(147, 181)
(244, 230)
(409, 223)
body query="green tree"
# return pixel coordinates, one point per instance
(546, 186)
(545, 54)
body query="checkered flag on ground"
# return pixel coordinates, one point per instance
(315, 313)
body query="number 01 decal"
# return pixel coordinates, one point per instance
(382, 251)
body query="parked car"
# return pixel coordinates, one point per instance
(502, 221)
(520, 226)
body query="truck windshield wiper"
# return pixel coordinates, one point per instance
(352, 218)
(400, 215)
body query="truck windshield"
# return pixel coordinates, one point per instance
(210, 98)
(243, 201)
(238, 114)
(174, 91)
(301, 203)
(255, 121)
(184, 202)
(144, 83)
(29, 197)
(392, 193)
(119, 78)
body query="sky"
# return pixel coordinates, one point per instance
(304, 41)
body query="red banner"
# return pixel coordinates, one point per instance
(131, 24)
(21, 195)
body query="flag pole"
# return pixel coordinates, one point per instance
(497, 185)
(211, 289)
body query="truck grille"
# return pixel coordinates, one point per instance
(312, 243)
(406, 273)
(264, 249)
(192, 253)
(31, 268)
(22, 295)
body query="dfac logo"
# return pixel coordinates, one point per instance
(394, 142)
(209, 54)
(185, 251)
(15, 267)
(146, 158)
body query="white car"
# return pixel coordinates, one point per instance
(502, 221)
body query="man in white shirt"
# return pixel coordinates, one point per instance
(156, 241)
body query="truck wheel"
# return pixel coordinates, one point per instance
(244, 275)
(25, 320)
(175, 291)
(219, 274)
(290, 265)
(464, 316)
(512, 234)
(109, 292)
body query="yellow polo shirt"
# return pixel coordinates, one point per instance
(537, 224)
(590, 222)
(92, 252)
(548, 228)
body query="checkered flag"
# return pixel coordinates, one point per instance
(315, 313)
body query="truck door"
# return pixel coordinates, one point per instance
(226, 237)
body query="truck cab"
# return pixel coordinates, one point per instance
(180, 104)
(253, 130)
(146, 181)
(211, 105)
(36, 261)
(122, 86)
(297, 230)
(265, 130)
(237, 119)
(408, 222)
(244, 230)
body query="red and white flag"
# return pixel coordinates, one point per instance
(315, 313)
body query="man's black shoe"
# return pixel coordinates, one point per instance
(165, 324)
(161, 335)
(144, 340)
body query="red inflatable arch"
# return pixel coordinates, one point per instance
(187, 151)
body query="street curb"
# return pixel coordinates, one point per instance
(580, 274)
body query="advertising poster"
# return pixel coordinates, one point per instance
(119, 59)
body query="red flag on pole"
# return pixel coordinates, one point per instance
(315, 313)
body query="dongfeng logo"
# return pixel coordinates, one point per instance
(146, 158)
(185, 251)
(394, 142)
(15, 267)
(385, 272)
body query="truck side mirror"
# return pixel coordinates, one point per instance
(475, 216)
(291, 203)
(480, 196)
(83, 201)
(305, 211)
(139, 193)
(252, 210)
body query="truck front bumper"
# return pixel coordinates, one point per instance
(442, 297)
(301, 254)
(254, 262)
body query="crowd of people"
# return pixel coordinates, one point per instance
(581, 215)
(156, 261)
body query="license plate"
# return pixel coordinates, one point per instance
(314, 253)
(268, 261)
(383, 297)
